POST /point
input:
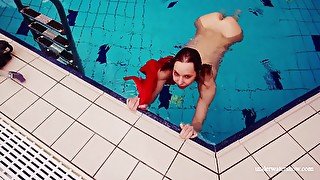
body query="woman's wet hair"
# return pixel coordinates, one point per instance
(190, 55)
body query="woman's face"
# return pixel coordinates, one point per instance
(183, 74)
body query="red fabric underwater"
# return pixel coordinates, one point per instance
(148, 85)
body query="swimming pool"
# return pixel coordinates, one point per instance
(277, 61)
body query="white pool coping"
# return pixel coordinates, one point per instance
(99, 137)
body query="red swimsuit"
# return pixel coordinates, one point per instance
(147, 86)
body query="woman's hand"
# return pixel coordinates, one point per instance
(187, 131)
(133, 104)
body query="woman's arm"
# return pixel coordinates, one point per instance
(206, 94)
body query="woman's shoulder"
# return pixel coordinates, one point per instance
(207, 76)
(164, 74)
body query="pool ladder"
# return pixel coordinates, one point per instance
(54, 38)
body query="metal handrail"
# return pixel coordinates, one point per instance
(66, 27)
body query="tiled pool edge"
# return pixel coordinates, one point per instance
(214, 148)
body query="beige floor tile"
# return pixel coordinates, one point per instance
(280, 153)
(8, 88)
(315, 104)
(93, 154)
(315, 153)
(2, 78)
(148, 150)
(23, 53)
(144, 172)
(316, 96)
(231, 155)
(287, 175)
(67, 100)
(159, 131)
(81, 87)
(35, 115)
(49, 68)
(184, 168)
(71, 142)
(262, 136)
(50, 130)
(3, 37)
(247, 169)
(18, 103)
(36, 81)
(290, 111)
(118, 108)
(104, 123)
(117, 167)
(306, 134)
(200, 154)
(307, 168)
(297, 117)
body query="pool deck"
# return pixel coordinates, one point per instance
(96, 135)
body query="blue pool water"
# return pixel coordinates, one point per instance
(277, 61)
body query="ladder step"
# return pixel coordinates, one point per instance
(65, 56)
(49, 34)
(45, 20)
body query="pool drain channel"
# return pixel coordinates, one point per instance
(20, 158)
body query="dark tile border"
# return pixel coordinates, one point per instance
(214, 148)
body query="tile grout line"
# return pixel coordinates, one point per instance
(195, 161)
(307, 118)
(291, 164)
(116, 146)
(318, 145)
(133, 170)
(309, 104)
(238, 162)
(288, 131)
(251, 154)
(37, 98)
(93, 134)
(50, 146)
(12, 95)
(32, 132)
(63, 131)
(39, 70)
(305, 151)
(297, 173)
(217, 163)
(256, 161)
(104, 161)
(174, 158)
